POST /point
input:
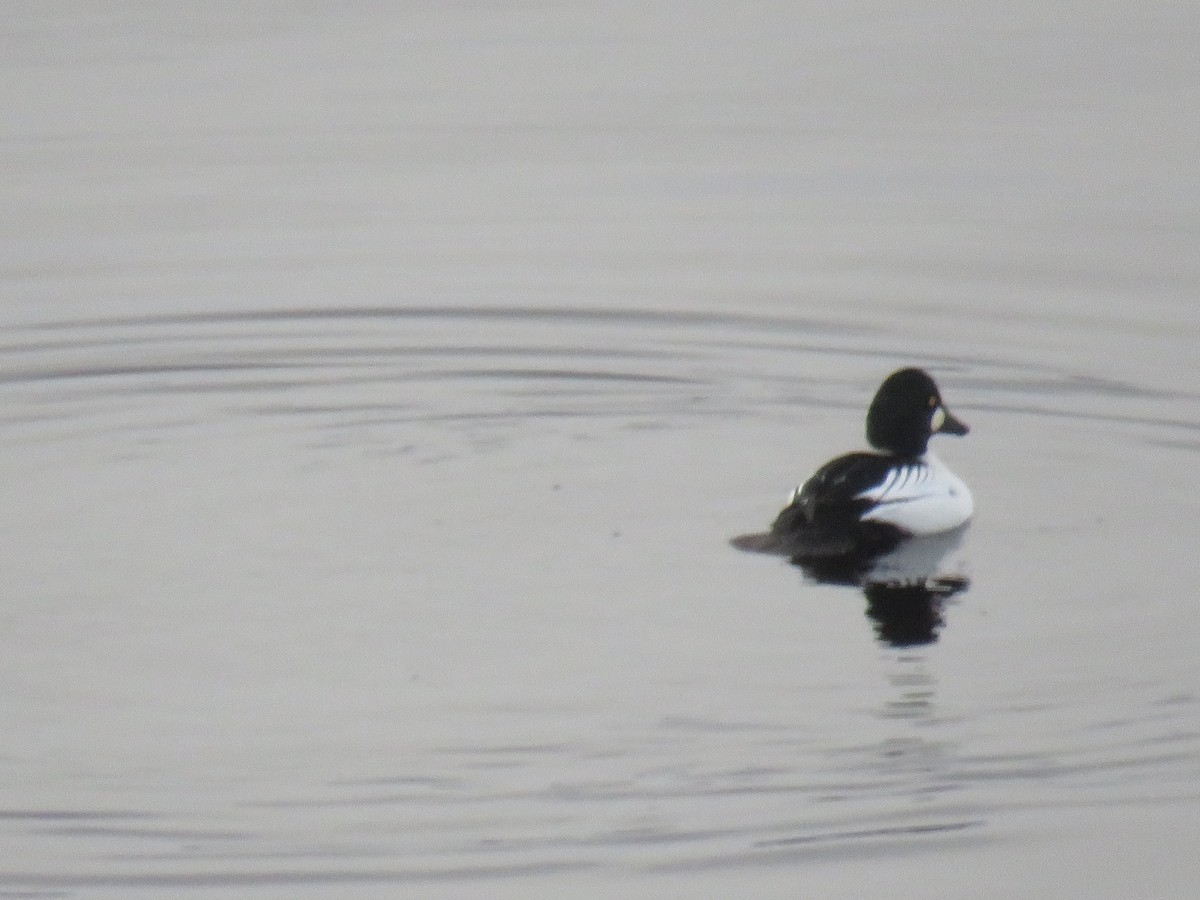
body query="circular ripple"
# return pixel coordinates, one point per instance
(348, 372)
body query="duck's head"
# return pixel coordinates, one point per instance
(906, 412)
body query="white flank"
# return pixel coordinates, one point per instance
(922, 498)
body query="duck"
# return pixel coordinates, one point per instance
(866, 503)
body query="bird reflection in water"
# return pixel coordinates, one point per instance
(905, 587)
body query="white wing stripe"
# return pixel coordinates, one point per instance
(920, 498)
(902, 483)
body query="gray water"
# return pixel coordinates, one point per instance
(381, 386)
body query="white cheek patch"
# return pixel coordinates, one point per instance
(937, 420)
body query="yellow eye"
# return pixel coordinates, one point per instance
(932, 402)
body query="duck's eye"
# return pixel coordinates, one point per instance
(937, 420)
(933, 401)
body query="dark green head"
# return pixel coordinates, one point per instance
(906, 412)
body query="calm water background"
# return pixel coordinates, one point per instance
(381, 385)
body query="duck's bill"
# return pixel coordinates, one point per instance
(950, 424)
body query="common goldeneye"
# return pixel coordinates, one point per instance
(863, 504)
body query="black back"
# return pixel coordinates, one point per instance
(823, 519)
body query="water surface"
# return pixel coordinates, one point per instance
(381, 390)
